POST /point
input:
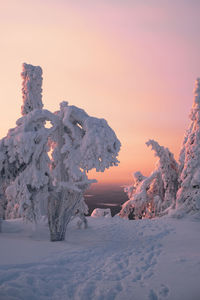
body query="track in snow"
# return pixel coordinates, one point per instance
(113, 259)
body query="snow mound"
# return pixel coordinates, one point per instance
(101, 212)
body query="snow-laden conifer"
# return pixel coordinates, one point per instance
(77, 143)
(154, 195)
(188, 196)
(168, 168)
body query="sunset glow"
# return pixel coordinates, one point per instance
(133, 63)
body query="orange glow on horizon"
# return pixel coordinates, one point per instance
(132, 64)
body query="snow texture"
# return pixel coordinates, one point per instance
(113, 259)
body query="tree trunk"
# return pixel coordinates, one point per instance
(61, 207)
(58, 221)
(57, 228)
(57, 236)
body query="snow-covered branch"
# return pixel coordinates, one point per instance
(31, 88)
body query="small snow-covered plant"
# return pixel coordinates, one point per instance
(77, 143)
(188, 195)
(153, 196)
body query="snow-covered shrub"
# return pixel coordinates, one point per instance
(154, 195)
(101, 212)
(77, 143)
(188, 196)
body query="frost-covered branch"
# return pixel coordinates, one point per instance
(31, 88)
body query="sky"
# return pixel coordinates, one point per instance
(133, 63)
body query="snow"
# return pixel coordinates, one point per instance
(101, 212)
(112, 259)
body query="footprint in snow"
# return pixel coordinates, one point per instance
(153, 295)
(164, 290)
(137, 277)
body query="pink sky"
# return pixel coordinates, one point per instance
(131, 62)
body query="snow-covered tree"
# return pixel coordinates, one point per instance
(154, 195)
(77, 143)
(188, 196)
(168, 168)
(25, 144)
(140, 203)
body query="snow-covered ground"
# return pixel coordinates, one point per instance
(112, 259)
